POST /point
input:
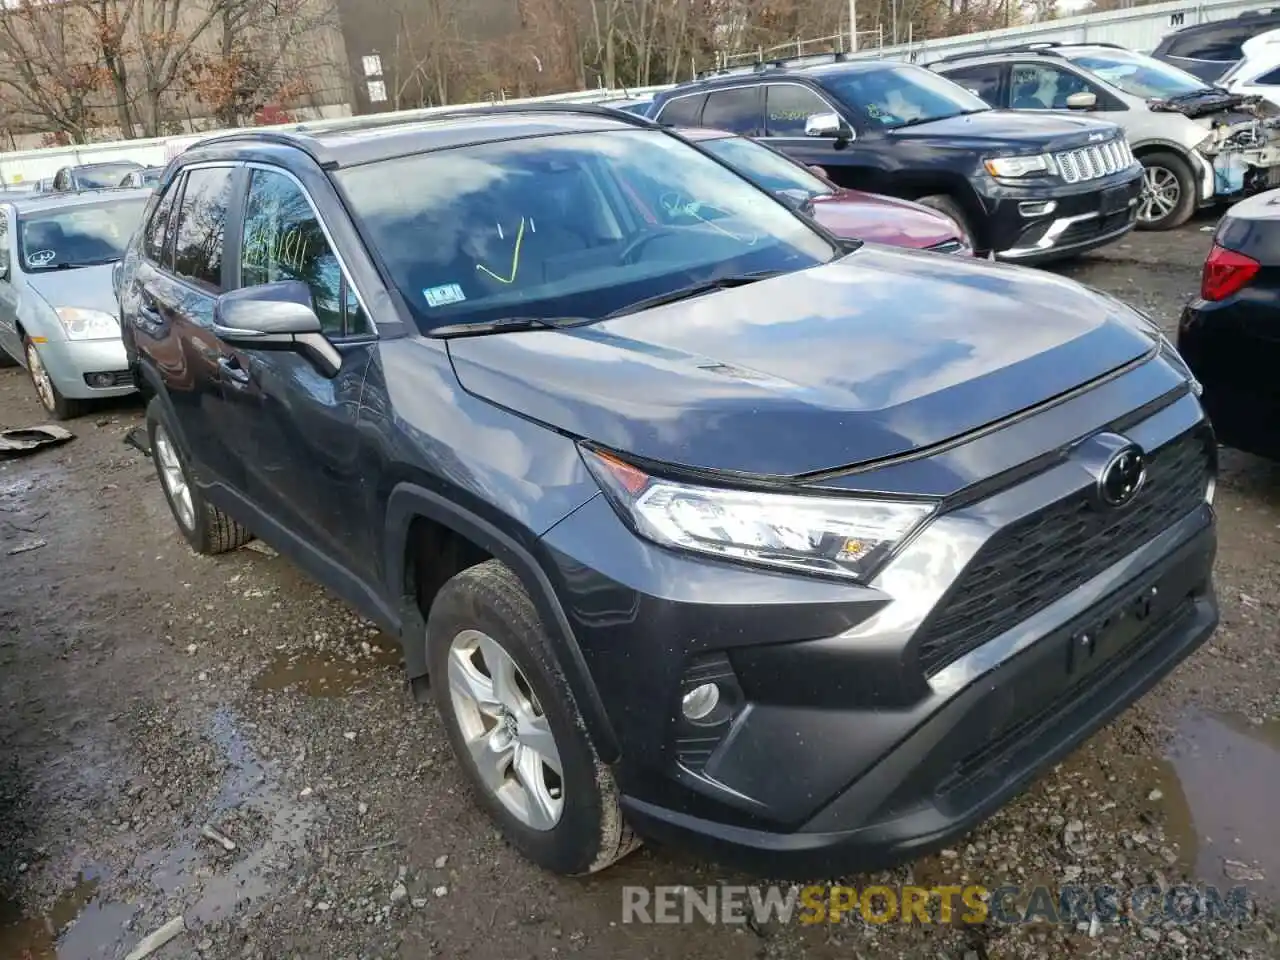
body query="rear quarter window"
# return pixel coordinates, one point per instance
(682, 111)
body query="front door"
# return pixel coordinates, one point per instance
(295, 427)
(787, 108)
(10, 341)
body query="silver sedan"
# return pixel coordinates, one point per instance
(58, 311)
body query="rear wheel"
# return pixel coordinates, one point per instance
(205, 527)
(1168, 192)
(515, 728)
(58, 406)
(947, 205)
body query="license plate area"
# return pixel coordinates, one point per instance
(1120, 623)
(1114, 200)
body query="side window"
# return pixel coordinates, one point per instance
(1222, 44)
(682, 111)
(283, 240)
(1269, 79)
(153, 243)
(737, 111)
(201, 221)
(1038, 86)
(983, 79)
(788, 106)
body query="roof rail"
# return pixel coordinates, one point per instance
(1048, 48)
(780, 63)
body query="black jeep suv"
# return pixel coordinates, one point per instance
(1028, 188)
(702, 524)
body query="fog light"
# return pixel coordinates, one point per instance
(100, 380)
(698, 703)
(1037, 208)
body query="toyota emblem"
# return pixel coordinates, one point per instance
(1122, 477)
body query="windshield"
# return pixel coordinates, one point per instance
(78, 236)
(106, 175)
(1141, 76)
(895, 96)
(574, 225)
(764, 167)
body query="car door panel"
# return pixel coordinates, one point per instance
(10, 342)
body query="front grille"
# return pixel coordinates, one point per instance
(949, 246)
(1030, 564)
(1092, 162)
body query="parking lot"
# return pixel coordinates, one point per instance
(149, 694)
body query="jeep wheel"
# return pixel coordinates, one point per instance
(205, 527)
(948, 207)
(1168, 192)
(515, 728)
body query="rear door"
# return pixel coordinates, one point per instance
(986, 80)
(295, 429)
(10, 342)
(171, 309)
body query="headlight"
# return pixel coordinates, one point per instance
(839, 536)
(83, 324)
(1019, 166)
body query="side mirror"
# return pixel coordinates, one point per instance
(827, 125)
(275, 316)
(1084, 100)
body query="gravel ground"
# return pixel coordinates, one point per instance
(149, 694)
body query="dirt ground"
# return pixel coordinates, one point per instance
(147, 694)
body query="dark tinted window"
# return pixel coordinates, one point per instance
(682, 111)
(737, 111)
(787, 106)
(197, 252)
(157, 229)
(983, 79)
(1269, 79)
(1219, 43)
(102, 175)
(283, 240)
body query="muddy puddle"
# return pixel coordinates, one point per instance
(195, 874)
(315, 673)
(1221, 783)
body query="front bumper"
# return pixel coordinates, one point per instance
(842, 750)
(1084, 216)
(69, 362)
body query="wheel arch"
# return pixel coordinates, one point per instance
(407, 506)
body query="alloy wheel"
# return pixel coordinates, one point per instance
(174, 480)
(1160, 194)
(506, 732)
(40, 378)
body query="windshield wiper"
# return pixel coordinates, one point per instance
(684, 293)
(507, 325)
(947, 116)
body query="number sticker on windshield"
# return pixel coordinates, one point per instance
(444, 295)
(41, 258)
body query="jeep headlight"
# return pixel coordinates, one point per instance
(1013, 167)
(836, 536)
(84, 324)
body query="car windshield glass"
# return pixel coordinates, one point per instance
(888, 97)
(576, 225)
(1141, 76)
(78, 236)
(764, 167)
(108, 175)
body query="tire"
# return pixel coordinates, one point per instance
(204, 526)
(1176, 174)
(481, 615)
(54, 403)
(947, 205)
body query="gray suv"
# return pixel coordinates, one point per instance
(1198, 143)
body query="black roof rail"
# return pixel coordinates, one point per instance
(1267, 12)
(777, 63)
(1048, 48)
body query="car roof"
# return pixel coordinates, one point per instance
(703, 133)
(1245, 16)
(1050, 49)
(768, 70)
(368, 139)
(107, 163)
(49, 201)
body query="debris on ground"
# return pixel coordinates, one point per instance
(27, 546)
(26, 440)
(154, 941)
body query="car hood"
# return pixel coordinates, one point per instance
(880, 353)
(88, 287)
(866, 216)
(1015, 128)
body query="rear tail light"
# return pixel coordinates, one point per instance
(1226, 272)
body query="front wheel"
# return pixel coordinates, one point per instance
(514, 726)
(58, 406)
(1168, 192)
(947, 206)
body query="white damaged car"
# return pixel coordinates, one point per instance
(1199, 143)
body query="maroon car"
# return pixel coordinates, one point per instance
(849, 214)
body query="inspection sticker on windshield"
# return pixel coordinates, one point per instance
(443, 296)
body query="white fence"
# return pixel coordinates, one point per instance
(1139, 28)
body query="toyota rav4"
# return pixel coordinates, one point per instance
(702, 523)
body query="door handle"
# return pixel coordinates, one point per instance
(231, 367)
